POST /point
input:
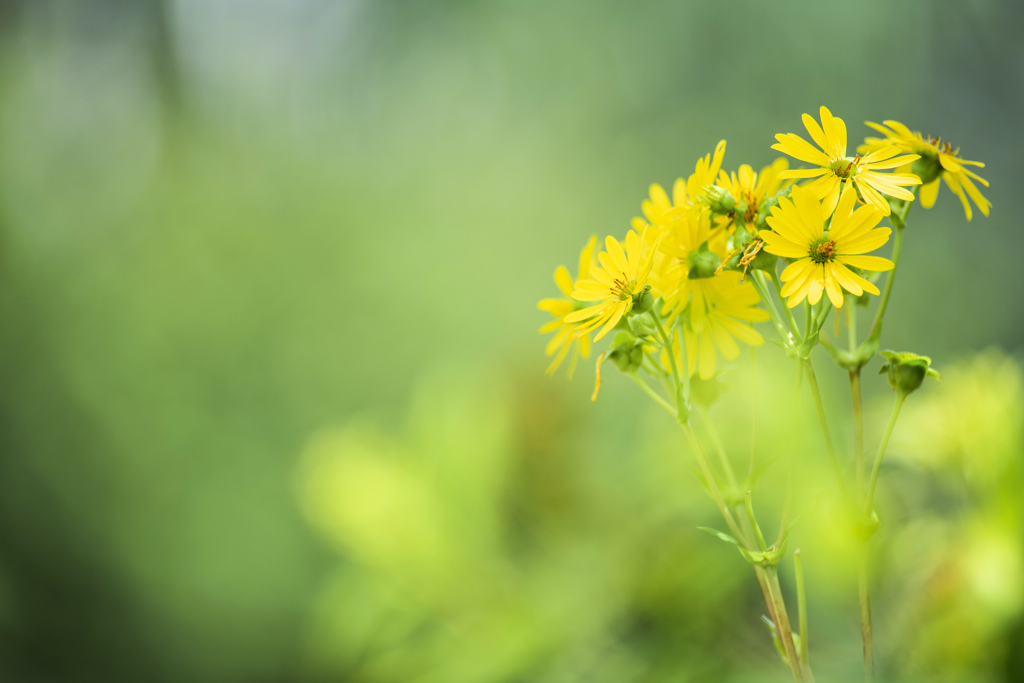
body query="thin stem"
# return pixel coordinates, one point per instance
(865, 616)
(812, 382)
(782, 624)
(667, 341)
(787, 337)
(748, 501)
(685, 360)
(753, 411)
(799, 384)
(788, 501)
(719, 448)
(716, 495)
(900, 398)
(858, 430)
(782, 300)
(801, 603)
(808, 314)
(876, 327)
(883, 302)
(652, 393)
(851, 325)
(826, 308)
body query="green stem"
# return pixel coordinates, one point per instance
(652, 393)
(851, 324)
(812, 382)
(667, 341)
(719, 448)
(782, 624)
(716, 495)
(787, 337)
(900, 398)
(753, 411)
(748, 500)
(788, 501)
(786, 308)
(826, 308)
(801, 603)
(876, 327)
(865, 616)
(858, 430)
(685, 360)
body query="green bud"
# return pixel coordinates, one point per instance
(628, 360)
(642, 325)
(764, 261)
(702, 263)
(623, 340)
(741, 236)
(906, 371)
(644, 301)
(718, 200)
(766, 206)
(927, 168)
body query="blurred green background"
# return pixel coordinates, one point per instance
(272, 403)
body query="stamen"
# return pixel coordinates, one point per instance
(823, 252)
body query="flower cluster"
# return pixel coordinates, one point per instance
(727, 250)
(692, 253)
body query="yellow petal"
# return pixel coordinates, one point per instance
(866, 262)
(563, 280)
(928, 194)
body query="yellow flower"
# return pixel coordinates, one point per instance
(659, 210)
(836, 168)
(948, 166)
(749, 188)
(663, 212)
(565, 339)
(704, 174)
(823, 259)
(616, 283)
(720, 309)
(671, 276)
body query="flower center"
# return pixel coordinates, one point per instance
(941, 146)
(822, 252)
(752, 201)
(846, 167)
(622, 288)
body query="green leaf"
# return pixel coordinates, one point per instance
(718, 534)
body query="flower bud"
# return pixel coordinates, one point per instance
(717, 199)
(644, 301)
(702, 262)
(764, 261)
(628, 360)
(906, 371)
(642, 325)
(766, 206)
(927, 168)
(623, 340)
(627, 352)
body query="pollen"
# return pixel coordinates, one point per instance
(823, 252)
(845, 168)
(622, 288)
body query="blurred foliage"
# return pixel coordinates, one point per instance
(236, 235)
(458, 562)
